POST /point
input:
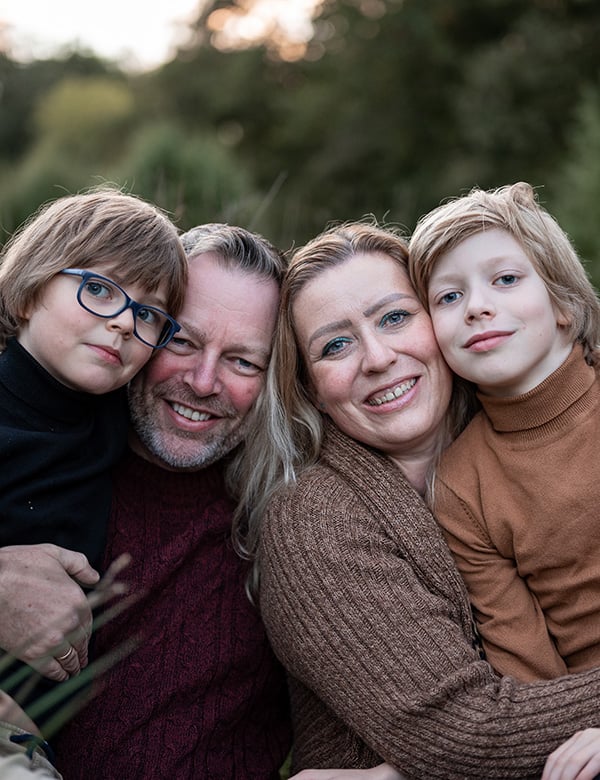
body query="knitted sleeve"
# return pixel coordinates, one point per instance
(509, 617)
(350, 616)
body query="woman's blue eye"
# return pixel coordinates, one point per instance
(395, 317)
(334, 346)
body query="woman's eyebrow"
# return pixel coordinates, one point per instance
(325, 329)
(384, 301)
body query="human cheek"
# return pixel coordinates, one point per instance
(244, 395)
(444, 333)
(445, 381)
(321, 385)
(162, 366)
(140, 356)
(337, 388)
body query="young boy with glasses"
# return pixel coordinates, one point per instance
(85, 287)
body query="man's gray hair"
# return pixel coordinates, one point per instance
(236, 247)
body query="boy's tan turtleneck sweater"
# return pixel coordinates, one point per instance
(518, 497)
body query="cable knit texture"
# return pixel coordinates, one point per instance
(518, 496)
(203, 696)
(365, 607)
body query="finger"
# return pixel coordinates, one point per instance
(116, 567)
(69, 660)
(50, 668)
(79, 640)
(77, 566)
(578, 757)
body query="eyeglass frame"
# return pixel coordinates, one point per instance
(173, 325)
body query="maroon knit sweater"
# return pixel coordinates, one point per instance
(202, 696)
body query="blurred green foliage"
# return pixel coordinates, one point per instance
(397, 105)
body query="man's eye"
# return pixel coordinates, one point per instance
(247, 367)
(178, 344)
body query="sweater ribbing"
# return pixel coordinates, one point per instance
(517, 495)
(366, 609)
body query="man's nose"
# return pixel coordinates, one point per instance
(203, 376)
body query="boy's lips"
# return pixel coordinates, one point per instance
(110, 354)
(488, 339)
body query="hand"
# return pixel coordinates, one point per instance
(44, 610)
(381, 772)
(576, 759)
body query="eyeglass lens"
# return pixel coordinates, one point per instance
(101, 297)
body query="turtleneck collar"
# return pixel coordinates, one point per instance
(33, 386)
(555, 397)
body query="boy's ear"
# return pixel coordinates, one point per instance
(25, 312)
(563, 318)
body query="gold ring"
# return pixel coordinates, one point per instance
(61, 658)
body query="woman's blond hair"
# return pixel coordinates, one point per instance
(288, 428)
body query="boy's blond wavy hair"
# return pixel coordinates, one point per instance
(516, 210)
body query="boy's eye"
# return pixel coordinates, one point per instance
(98, 289)
(148, 316)
(449, 297)
(506, 280)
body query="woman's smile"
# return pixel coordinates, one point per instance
(383, 398)
(371, 356)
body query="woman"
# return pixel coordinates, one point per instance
(358, 591)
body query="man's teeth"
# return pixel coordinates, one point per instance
(392, 394)
(191, 414)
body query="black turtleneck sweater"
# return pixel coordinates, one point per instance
(58, 449)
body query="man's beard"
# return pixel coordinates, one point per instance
(176, 449)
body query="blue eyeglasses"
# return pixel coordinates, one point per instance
(104, 298)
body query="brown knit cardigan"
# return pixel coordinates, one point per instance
(365, 608)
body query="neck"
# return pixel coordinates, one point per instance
(140, 449)
(415, 469)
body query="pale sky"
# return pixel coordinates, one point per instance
(139, 33)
